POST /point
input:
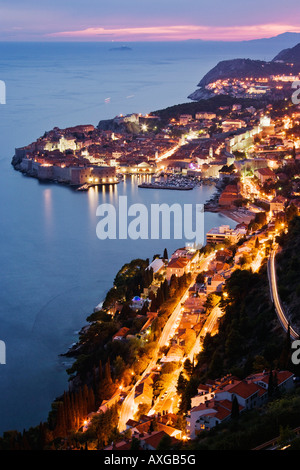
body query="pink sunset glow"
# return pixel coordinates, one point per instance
(177, 32)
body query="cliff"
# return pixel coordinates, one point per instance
(291, 55)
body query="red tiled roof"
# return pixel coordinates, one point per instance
(154, 439)
(244, 389)
(122, 332)
(266, 171)
(177, 263)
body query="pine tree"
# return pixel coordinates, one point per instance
(60, 428)
(235, 412)
(100, 372)
(107, 372)
(91, 400)
(68, 411)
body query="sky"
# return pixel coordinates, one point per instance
(146, 20)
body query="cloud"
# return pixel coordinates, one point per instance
(177, 32)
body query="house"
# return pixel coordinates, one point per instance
(207, 415)
(249, 395)
(214, 283)
(137, 303)
(163, 423)
(185, 118)
(156, 265)
(175, 354)
(194, 305)
(228, 197)
(121, 334)
(152, 440)
(122, 445)
(144, 390)
(212, 405)
(278, 204)
(177, 266)
(265, 174)
(106, 404)
(284, 379)
(208, 390)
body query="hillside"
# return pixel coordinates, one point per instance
(288, 272)
(287, 62)
(291, 55)
(240, 68)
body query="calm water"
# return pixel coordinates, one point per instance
(54, 270)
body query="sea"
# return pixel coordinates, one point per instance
(53, 268)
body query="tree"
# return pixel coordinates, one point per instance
(119, 367)
(135, 444)
(200, 278)
(143, 409)
(256, 243)
(165, 256)
(181, 383)
(285, 357)
(188, 367)
(165, 443)
(235, 412)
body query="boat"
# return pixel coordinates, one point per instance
(84, 187)
(166, 186)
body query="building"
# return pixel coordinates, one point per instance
(214, 283)
(156, 265)
(213, 403)
(185, 119)
(265, 174)
(221, 234)
(205, 115)
(228, 196)
(177, 266)
(175, 354)
(232, 125)
(121, 334)
(278, 204)
(137, 303)
(93, 175)
(207, 415)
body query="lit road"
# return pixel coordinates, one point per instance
(128, 407)
(168, 153)
(212, 319)
(275, 297)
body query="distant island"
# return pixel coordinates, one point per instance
(121, 48)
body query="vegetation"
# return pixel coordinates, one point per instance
(288, 270)
(247, 341)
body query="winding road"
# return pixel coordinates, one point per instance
(275, 297)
